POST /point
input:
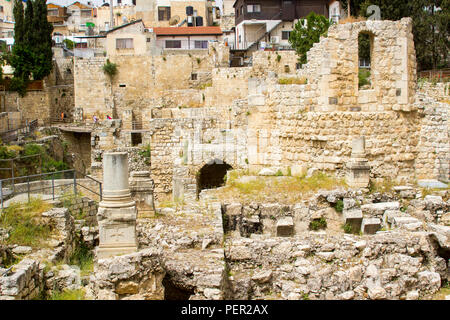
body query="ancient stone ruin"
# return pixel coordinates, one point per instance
(267, 181)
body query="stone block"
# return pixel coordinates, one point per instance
(354, 218)
(370, 225)
(285, 227)
(400, 221)
(378, 209)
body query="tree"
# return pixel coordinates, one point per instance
(19, 28)
(32, 52)
(43, 45)
(307, 32)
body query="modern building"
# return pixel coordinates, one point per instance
(81, 18)
(186, 38)
(267, 23)
(6, 19)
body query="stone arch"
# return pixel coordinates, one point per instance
(212, 174)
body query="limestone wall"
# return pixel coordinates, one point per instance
(333, 66)
(142, 82)
(433, 158)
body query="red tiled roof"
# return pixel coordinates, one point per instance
(162, 31)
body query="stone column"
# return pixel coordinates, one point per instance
(117, 211)
(358, 169)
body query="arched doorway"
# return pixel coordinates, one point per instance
(212, 175)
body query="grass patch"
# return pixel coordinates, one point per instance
(443, 292)
(24, 222)
(205, 85)
(78, 294)
(285, 189)
(83, 258)
(385, 185)
(168, 202)
(302, 80)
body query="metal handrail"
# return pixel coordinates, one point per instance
(29, 190)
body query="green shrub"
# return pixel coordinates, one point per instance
(347, 228)
(110, 68)
(339, 206)
(279, 173)
(32, 149)
(5, 153)
(69, 43)
(317, 224)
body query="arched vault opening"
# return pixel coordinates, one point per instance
(212, 175)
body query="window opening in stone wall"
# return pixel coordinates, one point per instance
(365, 52)
(136, 138)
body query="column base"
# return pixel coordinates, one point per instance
(104, 252)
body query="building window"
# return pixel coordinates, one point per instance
(242, 9)
(173, 44)
(201, 44)
(50, 12)
(124, 43)
(193, 76)
(163, 13)
(253, 8)
(86, 13)
(285, 35)
(149, 39)
(119, 1)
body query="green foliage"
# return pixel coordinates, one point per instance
(278, 58)
(51, 165)
(279, 173)
(5, 153)
(83, 257)
(32, 52)
(110, 69)
(307, 32)
(146, 153)
(33, 149)
(18, 83)
(23, 223)
(69, 44)
(363, 77)
(347, 228)
(339, 206)
(77, 294)
(317, 224)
